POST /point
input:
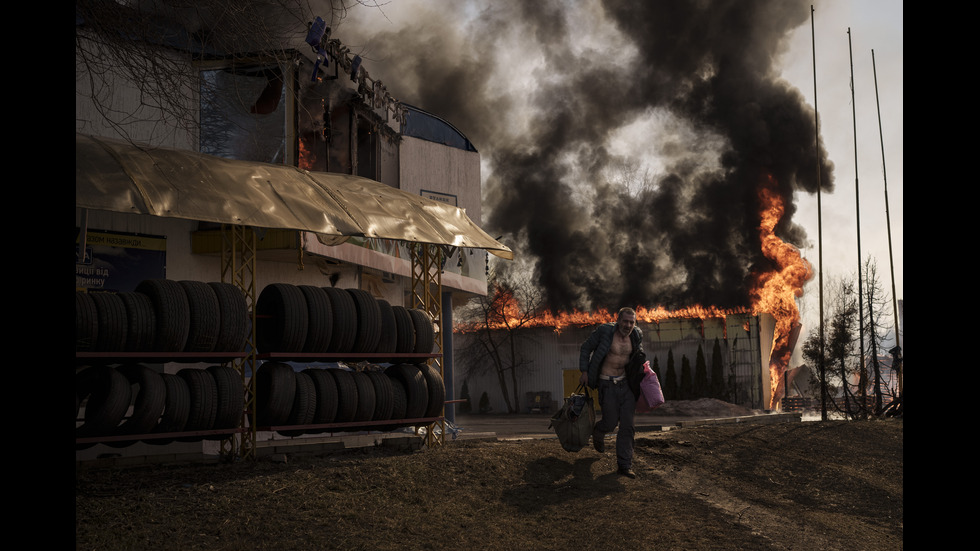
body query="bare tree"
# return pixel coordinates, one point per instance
(844, 378)
(496, 321)
(157, 46)
(876, 331)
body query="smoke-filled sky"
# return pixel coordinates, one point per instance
(624, 141)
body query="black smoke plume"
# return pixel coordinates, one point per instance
(538, 89)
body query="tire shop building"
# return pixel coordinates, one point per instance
(209, 256)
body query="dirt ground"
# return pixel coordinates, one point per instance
(805, 485)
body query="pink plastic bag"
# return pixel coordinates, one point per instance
(651, 396)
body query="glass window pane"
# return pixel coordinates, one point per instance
(243, 114)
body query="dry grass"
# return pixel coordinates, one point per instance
(812, 485)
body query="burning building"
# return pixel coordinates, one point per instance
(696, 209)
(755, 343)
(729, 357)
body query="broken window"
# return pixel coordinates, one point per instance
(367, 149)
(313, 129)
(359, 143)
(244, 114)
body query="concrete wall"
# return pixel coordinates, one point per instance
(446, 170)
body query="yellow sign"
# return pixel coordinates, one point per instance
(129, 241)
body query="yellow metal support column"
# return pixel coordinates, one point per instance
(238, 256)
(427, 296)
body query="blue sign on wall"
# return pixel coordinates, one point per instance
(115, 261)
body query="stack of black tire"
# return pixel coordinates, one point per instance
(189, 402)
(322, 396)
(186, 317)
(162, 317)
(310, 320)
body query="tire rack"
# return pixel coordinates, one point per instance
(109, 358)
(350, 357)
(238, 263)
(238, 260)
(427, 295)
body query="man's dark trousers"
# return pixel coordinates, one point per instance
(618, 405)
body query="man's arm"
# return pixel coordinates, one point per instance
(585, 354)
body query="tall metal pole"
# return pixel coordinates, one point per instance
(816, 126)
(448, 359)
(888, 223)
(857, 204)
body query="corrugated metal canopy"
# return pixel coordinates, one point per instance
(119, 176)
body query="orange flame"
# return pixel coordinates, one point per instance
(307, 158)
(513, 317)
(775, 292)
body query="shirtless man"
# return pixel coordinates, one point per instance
(602, 361)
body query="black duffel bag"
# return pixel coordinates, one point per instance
(573, 423)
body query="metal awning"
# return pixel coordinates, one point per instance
(118, 176)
